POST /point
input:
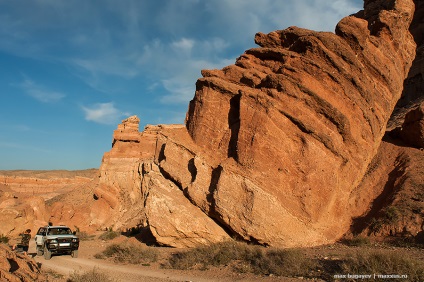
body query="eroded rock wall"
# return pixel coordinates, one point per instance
(274, 145)
(302, 117)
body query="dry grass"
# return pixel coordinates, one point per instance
(129, 254)
(297, 262)
(383, 262)
(109, 235)
(90, 276)
(324, 263)
(358, 241)
(244, 258)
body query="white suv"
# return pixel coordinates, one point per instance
(56, 240)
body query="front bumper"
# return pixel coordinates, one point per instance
(62, 245)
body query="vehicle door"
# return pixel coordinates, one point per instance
(40, 235)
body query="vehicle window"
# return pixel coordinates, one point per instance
(60, 231)
(40, 231)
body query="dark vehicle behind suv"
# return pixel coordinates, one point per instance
(56, 240)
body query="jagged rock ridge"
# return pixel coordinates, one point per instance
(274, 145)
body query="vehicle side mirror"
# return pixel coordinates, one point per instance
(75, 233)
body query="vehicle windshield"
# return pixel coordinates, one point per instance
(60, 231)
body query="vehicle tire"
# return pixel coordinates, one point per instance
(47, 253)
(74, 253)
(39, 251)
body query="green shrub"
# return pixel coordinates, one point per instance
(90, 276)
(4, 239)
(390, 215)
(129, 254)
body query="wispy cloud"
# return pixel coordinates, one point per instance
(40, 92)
(24, 147)
(104, 113)
(114, 43)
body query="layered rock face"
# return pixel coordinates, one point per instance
(274, 145)
(302, 117)
(135, 190)
(30, 199)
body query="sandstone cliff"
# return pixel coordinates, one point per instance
(30, 199)
(275, 147)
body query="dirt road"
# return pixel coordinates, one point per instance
(66, 265)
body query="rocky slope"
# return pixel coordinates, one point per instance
(275, 147)
(18, 268)
(290, 146)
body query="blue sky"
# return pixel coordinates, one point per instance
(71, 71)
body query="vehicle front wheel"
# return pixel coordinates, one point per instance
(47, 253)
(74, 253)
(39, 251)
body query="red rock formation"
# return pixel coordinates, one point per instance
(390, 199)
(302, 117)
(30, 199)
(135, 191)
(18, 268)
(275, 144)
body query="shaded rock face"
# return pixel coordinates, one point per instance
(389, 202)
(413, 128)
(18, 268)
(414, 84)
(274, 145)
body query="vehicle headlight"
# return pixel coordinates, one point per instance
(75, 240)
(53, 241)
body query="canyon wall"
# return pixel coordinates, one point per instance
(293, 145)
(30, 199)
(275, 146)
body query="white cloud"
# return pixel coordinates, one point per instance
(184, 45)
(104, 113)
(40, 93)
(166, 42)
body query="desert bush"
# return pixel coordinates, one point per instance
(390, 215)
(282, 262)
(212, 255)
(84, 236)
(383, 262)
(357, 241)
(129, 253)
(244, 258)
(109, 235)
(90, 276)
(4, 239)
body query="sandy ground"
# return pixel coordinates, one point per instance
(60, 267)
